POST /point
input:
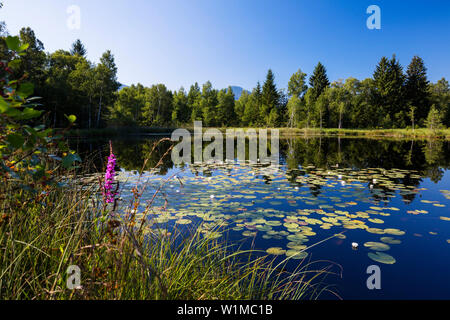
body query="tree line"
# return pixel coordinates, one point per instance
(71, 84)
(65, 81)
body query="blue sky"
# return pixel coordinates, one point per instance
(234, 42)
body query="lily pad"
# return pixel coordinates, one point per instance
(377, 246)
(379, 221)
(390, 240)
(395, 232)
(273, 223)
(296, 254)
(276, 251)
(376, 230)
(296, 245)
(381, 257)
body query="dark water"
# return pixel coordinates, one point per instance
(391, 195)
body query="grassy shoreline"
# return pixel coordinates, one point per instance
(421, 133)
(120, 256)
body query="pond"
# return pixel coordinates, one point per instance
(391, 197)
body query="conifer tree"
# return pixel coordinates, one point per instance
(389, 94)
(398, 108)
(78, 48)
(270, 98)
(417, 87)
(318, 81)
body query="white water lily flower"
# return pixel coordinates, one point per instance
(355, 245)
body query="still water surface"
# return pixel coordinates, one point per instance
(390, 196)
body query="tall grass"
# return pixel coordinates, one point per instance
(44, 232)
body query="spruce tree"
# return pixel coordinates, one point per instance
(417, 88)
(258, 92)
(78, 48)
(389, 92)
(380, 76)
(270, 97)
(397, 105)
(318, 81)
(257, 99)
(380, 80)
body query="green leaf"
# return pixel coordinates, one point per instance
(25, 90)
(15, 140)
(23, 47)
(13, 43)
(68, 160)
(4, 106)
(29, 113)
(11, 112)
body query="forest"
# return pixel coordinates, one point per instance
(68, 83)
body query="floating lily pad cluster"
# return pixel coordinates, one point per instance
(275, 204)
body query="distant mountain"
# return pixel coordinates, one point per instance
(238, 91)
(122, 86)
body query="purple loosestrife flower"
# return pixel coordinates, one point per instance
(108, 194)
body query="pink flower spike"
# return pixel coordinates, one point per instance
(108, 194)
